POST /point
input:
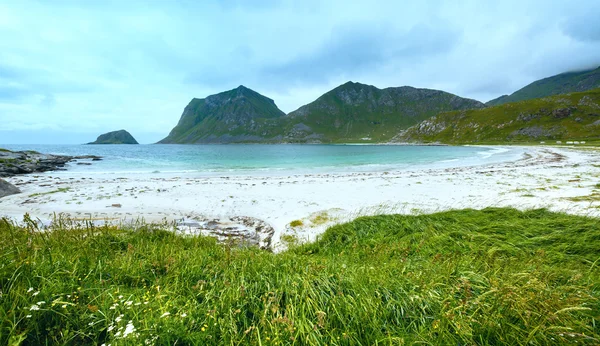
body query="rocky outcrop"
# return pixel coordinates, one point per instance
(115, 137)
(238, 230)
(25, 162)
(7, 189)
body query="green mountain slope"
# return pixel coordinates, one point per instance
(358, 112)
(238, 115)
(352, 112)
(565, 117)
(115, 137)
(555, 85)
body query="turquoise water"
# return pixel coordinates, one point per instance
(270, 159)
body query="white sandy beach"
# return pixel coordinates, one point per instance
(545, 177)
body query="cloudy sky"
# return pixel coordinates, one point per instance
(70, 70)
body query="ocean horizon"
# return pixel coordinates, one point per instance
(270, 159)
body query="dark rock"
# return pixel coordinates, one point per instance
(7, 189)
(533, 131)
(562, 113)
(24, 162)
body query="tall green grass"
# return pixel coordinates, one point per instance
(490, 277)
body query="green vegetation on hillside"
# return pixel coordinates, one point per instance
(355, 112)
(559, 84)
(567, 117)
(238, 115)
(352, 112)
(115, 137)
(496, 276)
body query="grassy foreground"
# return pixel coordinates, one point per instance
(496, 276)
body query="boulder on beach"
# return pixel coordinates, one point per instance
(7, 189)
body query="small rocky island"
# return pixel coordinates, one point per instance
(29, 161)
(115, 137)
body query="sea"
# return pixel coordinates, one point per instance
(272, 159)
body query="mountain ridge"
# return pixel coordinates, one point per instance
(562, 83)
(351, 112)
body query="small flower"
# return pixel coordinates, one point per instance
(165, 314)
(28, 316)
(30, 289)
(184, 315)
(35, 293)
(34, 307)
(119, 318)
(129, 328)
(129, 302)
(41, 302)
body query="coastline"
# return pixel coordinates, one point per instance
(559, 179)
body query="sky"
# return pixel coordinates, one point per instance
(71, 70)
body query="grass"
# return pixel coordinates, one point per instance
(296, 223)
(61, 189)
(489, 277)
(593, 197)
(524, 122)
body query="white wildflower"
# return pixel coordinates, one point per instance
(119, 318)
(138, 303)
(184, 315)
(41, 302)
(129, 328)
(120, 297)
(34, 307)
(30, 289)
(64, 306)
(28, 316)
(111, 327)
(35, 293)
(129, 302)
(165, 314)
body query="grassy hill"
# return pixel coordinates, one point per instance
(565, 117)
(490, 277)
(559, 84)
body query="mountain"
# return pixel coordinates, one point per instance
(352, 112)
(555, 85)
(238, 115)
(565, 117)
(115, 137)
(358, 112)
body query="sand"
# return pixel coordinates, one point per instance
(545, 177)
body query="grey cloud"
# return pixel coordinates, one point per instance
(355, 49)
(584, 27)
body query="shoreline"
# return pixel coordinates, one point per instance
(559, 179)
